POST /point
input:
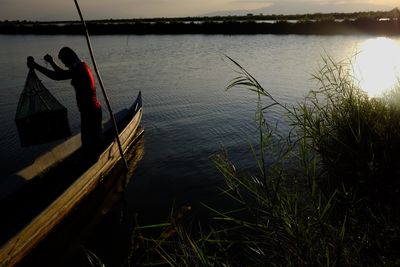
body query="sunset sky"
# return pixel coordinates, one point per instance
(100, 9)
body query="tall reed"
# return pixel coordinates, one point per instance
(329, 197)
(343, 197)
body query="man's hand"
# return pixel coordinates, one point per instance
(30, 62)
(48, 58)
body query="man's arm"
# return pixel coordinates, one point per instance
(57, 74)
(53, 64)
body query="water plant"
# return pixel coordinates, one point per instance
(328, 197)
(339, 205)
(355, 136)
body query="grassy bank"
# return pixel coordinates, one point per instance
(330, 197)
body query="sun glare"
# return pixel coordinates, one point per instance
(377, 65)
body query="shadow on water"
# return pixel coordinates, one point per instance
(105, 222)
(63, 247)
(115, 238)
(19, 208)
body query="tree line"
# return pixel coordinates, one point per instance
(382, 23)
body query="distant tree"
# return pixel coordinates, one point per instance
(395, 13)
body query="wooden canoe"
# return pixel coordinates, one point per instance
(56, 184)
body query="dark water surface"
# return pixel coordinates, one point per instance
(188, 115)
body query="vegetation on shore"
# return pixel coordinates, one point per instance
(329, 197)
(380, 22)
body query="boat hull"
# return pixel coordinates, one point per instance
(21, 244)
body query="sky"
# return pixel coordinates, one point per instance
(105, 9)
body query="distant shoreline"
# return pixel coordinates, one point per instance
(229, 28)
(371, 23)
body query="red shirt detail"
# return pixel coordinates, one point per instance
(85, 89)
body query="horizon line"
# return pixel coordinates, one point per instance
(249, 14)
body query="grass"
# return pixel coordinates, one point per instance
(329, 198)
(357, 138)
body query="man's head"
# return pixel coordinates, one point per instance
(68, 57)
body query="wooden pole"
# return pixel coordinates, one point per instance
(101, 84)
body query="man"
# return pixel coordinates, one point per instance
(89, 106)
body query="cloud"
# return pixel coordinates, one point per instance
(37, 10)
(325, 6)
(247, 5)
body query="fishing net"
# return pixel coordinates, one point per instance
(40, 118)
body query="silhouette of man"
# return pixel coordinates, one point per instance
(84, 84)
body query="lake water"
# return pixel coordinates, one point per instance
(188, 115)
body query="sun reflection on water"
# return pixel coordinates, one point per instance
(377, 65)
